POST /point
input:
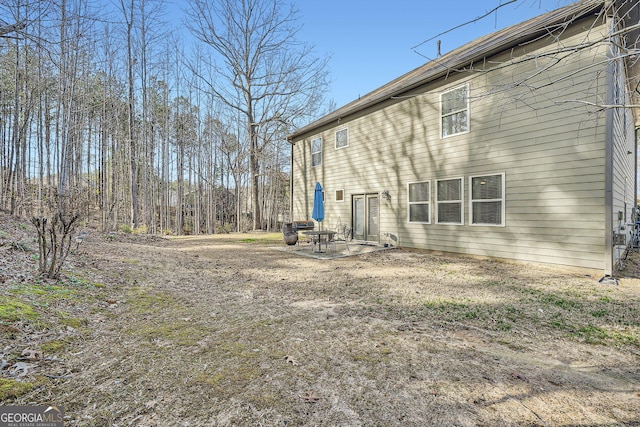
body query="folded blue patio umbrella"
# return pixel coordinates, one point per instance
(318, 204)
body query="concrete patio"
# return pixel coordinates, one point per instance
(340, 250)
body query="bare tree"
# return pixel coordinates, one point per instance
(623, 43)
(265, 73)
(55, 227)
(127, 8)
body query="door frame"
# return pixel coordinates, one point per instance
(364, 234)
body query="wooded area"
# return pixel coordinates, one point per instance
(117, 114)
(108, 112)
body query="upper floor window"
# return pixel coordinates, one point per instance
(342, 138)
(316, 152)
(419, 197)
(449, 207)
(486, 204)
(454, 110)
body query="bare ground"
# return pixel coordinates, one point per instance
(229, 331)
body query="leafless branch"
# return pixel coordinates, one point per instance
(11, 28)
(594, 104)
(464, 24)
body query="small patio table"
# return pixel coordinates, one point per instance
(320, 236)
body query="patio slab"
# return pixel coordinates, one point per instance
(341, 251)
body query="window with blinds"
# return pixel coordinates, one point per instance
(419, 197)
(449, 203)
(486, 203)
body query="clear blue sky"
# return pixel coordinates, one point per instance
(370, 41)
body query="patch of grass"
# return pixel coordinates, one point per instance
(453, 310)
(493, 283)
(142, 301)
(511, 309)
(78, 281)
(208, 379)
(26, 300)
(558, 322)
(558, 301)
(445, 305)
(179, 333)
(47, 293)
(592, 334)
(12, 310)
(373, 357)
(53, 347)
(11, 389)
(260, 238)
(235, 349)
(472, 314)
(625, 339)
(229, 379)
(266, 399)
(600, 313)
(73, 322)
(502, 325)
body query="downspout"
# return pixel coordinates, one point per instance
(608, 182)
(291, 183)
(609, 142)
(635, 175)
(635, 179)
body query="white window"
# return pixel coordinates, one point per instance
(419, 197)
(339, 195)
(454, 111)
(316, 152)
(342, 138)
(486, 201)
(449, 204)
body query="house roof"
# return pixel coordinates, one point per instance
(471, 52)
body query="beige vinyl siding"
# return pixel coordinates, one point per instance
(552, 155)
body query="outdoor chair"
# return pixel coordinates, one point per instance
(331, 242)
(343, 234)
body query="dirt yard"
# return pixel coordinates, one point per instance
(229, 331)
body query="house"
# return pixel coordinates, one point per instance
(518, 145)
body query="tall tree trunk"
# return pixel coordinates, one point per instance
(254, 161)
(133, 167)
(14, 174)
